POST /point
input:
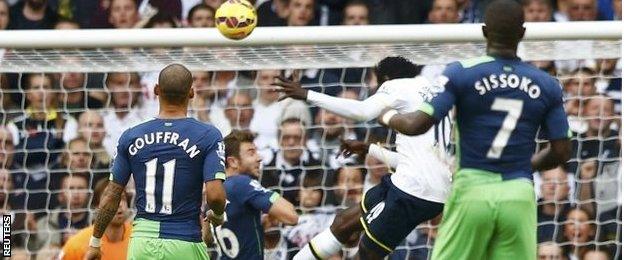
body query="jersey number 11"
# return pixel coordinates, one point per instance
(150, 186)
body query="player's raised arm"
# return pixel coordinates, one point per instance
(388, 69)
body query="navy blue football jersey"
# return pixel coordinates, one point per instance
(241, 236)
(170, 159)
(501, 104)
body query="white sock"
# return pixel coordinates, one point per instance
(325, 245)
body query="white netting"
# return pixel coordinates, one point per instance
(104, 82)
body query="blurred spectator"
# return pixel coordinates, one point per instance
(582, 10)
(72, 214)
(329, 129)
(4, 15)
(91, 128)
(355, 13)
(74, 98)
(314, 218)
(268, 112)
(580, 84)
(549, 251)
(349, 185)
(32, 14)
(9, 107)
(275, 246)
(66, 24)
(214, 3)
(596, 255)
(201, 15)
(116, 237)
(10, 207)
(579, 232)
(610, 230)
(171, 8)
(444, 11)
(617, 10)
(123, 14)
(7, 149)
(239, 113)
(537, 10)
(399, 11)
(161, 20)
(300, 12)
(41, 130)
(273, 13)
(284, 168)
(553, 203)
(125, 106)
(546, 65)
(599, 141)
(375, 170)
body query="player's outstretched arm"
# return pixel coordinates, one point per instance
(353, 109)
(215, 198)
(284, 212)
(107, 211)
(349, 147)
(557, 153)
(415, 123)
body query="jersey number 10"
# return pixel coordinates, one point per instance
(150, 186)
(513, 108)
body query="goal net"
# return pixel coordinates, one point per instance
(66, 99)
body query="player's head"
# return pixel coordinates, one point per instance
(504, 21)
(175, 86)
(395, 67)
(241, 155)
(122, 211)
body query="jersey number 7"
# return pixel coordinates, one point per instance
(513, 108)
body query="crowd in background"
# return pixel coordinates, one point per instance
(59, 131)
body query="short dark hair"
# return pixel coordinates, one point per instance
(396, 67)
(504, 21)
(66, 20)
(526, 3)
(355, 3)
(234, 140)
(161, 17)
(199, 7)
(175, 82)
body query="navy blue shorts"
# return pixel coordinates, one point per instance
(389, 215)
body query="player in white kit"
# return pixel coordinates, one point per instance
(414, 193)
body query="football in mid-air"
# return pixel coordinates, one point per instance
(236, 19)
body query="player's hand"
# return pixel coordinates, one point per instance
(349, 147)
(214, 219)
(93, 253)
(207, 233)
(290, 87)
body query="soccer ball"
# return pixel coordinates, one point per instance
(236, 19)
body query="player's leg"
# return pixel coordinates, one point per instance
(331, 240)
(390, 216)
(516, 223)
(468, 219)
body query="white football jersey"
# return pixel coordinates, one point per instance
(423, 168)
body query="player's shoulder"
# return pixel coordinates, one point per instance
(470, 63)
(203, 128)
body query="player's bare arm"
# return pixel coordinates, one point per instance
(106, 212)
(216, 201)
(557, 153)
(284, 212)
(415, 123)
